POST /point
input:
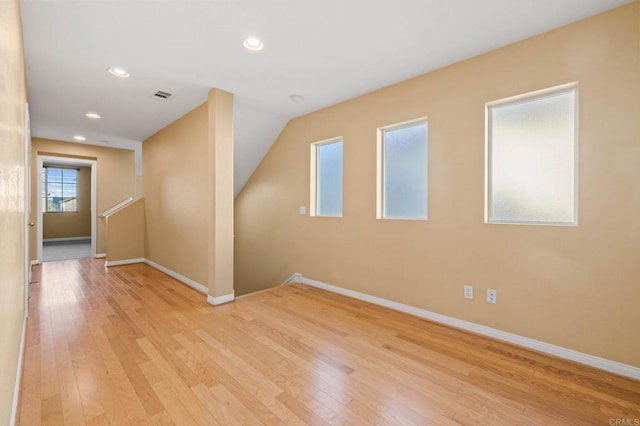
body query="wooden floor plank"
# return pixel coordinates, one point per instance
(130, 345)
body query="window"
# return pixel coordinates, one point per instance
(326, 178)
(402, 171)
(60, 189)
(531, 170)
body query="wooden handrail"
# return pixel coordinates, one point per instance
(116, 207)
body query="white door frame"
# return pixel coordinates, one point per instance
(27, 207)
(70, 162)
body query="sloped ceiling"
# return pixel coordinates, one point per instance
(326, 51)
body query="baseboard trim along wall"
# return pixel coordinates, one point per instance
(16, 388)
(47, 240)
(579, 357)
(188, 281)
(212, 300)
(108, 263)
(295, 278)
(100, 255)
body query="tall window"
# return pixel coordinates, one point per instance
(531, 158)
(60, 189)
(326, 178)
(402, 171)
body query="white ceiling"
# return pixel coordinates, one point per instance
(327, 51)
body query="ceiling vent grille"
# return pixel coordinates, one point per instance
(162, 96)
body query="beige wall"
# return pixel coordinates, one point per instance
(125, 232)
(175, 190)
(576, 287)
(72, 224)
(116, 178)
(12, 221)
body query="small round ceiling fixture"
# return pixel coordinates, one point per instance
(118, 72)
(296, 98)
(93, 115)
(79, 138)
(253, 43)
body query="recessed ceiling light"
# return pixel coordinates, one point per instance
(79, 138)
(253, 43)
(296, 98)
(92, 115)
(118, 72)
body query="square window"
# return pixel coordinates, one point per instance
(531, 170)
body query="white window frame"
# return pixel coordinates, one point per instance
(45, 185)
(313, 187)
(380, 196)
(531, 96)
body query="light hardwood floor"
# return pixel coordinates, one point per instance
(130, 345)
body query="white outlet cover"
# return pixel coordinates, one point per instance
(492, 296)
(303, 210)
(468, 292)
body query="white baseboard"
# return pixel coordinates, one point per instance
(579, 357)
(220, 299)
(188, 281)
(99, 255)
(294, 278)
(18, 384)
(46, 240)
(34, 262)
(108, 263)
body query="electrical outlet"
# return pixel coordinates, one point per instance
(492, 296)
(468, 292)
(303, 210)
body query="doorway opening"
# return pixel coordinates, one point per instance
(66, 208)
